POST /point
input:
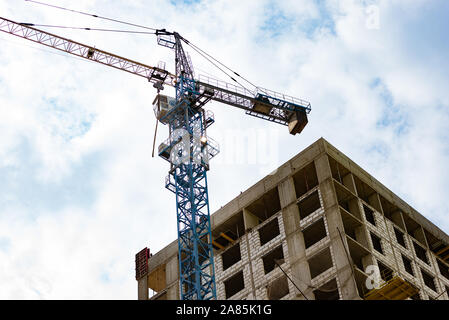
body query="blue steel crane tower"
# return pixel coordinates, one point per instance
(187, 177)
(188, 148)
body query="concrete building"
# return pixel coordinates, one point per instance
(322, 227)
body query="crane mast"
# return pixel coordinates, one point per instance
(187, 177)
(188, 148)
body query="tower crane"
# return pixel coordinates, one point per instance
(188, 148)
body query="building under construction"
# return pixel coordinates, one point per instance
(319, 228)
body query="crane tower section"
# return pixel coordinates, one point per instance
(188, 149)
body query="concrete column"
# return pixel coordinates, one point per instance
(354, 208)
(251, 271)
(323, 169)
(142, 288)
(299, 267)
(287, 192)
(348, 289)
(419, 235)
(172, 278)
(295, 240)
(348, 182)
(171, 270)
(361, 236)
(397, 218)
(374, 201)
(290, 211)
(249, 220)
(173, 291)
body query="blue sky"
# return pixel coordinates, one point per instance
(80, 193)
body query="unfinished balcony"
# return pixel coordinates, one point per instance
(347, 201)
(392, 212)
(392, 287)
(437, 246)
(305, 179)
(367, 194)
(262, 209)
(342, 175)
(414, 229)
(227, 233)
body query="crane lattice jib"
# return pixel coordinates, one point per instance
(278, 107)
(153, 74)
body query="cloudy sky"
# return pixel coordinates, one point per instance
(80, 193)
